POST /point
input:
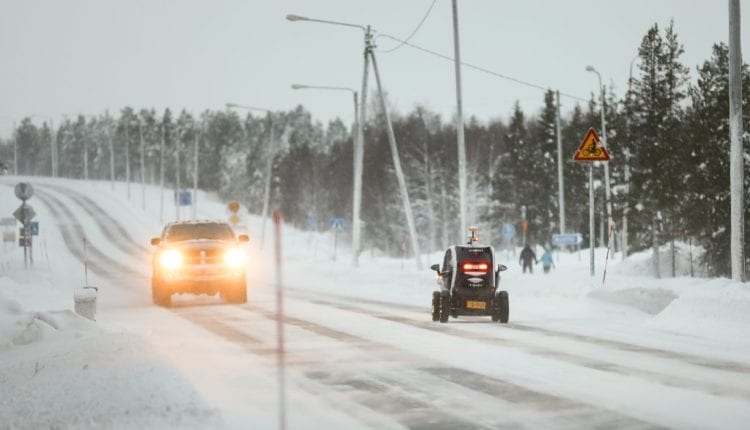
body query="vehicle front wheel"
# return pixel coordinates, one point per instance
(445, 307)
(160, 295)
(435, 305)
(236, 293)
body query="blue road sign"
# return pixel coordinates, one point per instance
(186, 198)
(33, 227)
(567, 239)
(509, 231)
(337, 224)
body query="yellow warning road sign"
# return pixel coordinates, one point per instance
(591, 149)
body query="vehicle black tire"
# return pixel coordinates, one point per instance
(503, 307)
(237, 293)
(445, 307)
(159, 295)
(435, 305)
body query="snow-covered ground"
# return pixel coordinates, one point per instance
(362, 352)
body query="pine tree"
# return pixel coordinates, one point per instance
(706, 190)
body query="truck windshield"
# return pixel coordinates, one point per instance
(214, 231)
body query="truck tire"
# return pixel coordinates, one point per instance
(237, 293)
(503, 307)
(435, 305)
(159, 295)
(445, 306)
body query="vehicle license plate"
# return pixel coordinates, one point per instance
(475, 305)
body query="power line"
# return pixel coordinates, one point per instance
(424, 18)
(479, 68)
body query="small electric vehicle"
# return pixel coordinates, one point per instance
(468, 283)
(200, 257)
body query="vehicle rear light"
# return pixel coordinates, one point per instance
(475, 267)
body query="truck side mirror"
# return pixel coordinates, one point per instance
(155, 241)
(502, 267)
(435, 267)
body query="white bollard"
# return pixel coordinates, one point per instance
(85, 302)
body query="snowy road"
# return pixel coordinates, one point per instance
(363, 355)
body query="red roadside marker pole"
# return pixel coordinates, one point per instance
(280, 321)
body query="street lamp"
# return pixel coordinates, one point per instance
(610, 223)
(359, 142)
(357, 197)
(269, 163)
(369, 54)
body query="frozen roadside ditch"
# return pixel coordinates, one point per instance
(60, 370)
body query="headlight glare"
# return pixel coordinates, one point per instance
(234, 257)
(170, 259)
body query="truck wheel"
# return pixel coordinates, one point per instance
(444, 307)
(435, 305)
(503, 306)
(159, 295)
(237, 293)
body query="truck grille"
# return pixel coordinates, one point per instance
(202, 256)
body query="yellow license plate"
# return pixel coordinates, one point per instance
(475, 305)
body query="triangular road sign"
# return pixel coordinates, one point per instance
(591, 148)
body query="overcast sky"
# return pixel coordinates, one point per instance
(86, 56)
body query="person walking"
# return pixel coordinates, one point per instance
(546, 260)
(527, 255)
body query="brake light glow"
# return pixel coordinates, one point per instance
(475, 267)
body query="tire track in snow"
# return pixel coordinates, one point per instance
(387, 399)
(98, 215)
(576, 413)
(697, 360)
(73, 234)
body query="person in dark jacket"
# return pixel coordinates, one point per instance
(527, 256)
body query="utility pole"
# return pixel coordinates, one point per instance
(359, 152)
(397, 166)
(127, 155)
(736, 174)
(269, 171)
(85, 153)
(143, 167)
(196, 138)
(592, 228)
(459, 129)
(177, 146)
(15, 149)
(111, 155)
(626, 208)
(161, 173)
(560, 179)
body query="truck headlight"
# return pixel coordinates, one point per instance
(234, 257)
(170, 259)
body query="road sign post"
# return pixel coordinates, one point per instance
(24, 214)
(589, 151)
(277, 218)
(338, 226)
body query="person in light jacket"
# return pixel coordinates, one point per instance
(546, 260)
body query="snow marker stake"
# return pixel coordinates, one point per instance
(606, 259)
(280, 321)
